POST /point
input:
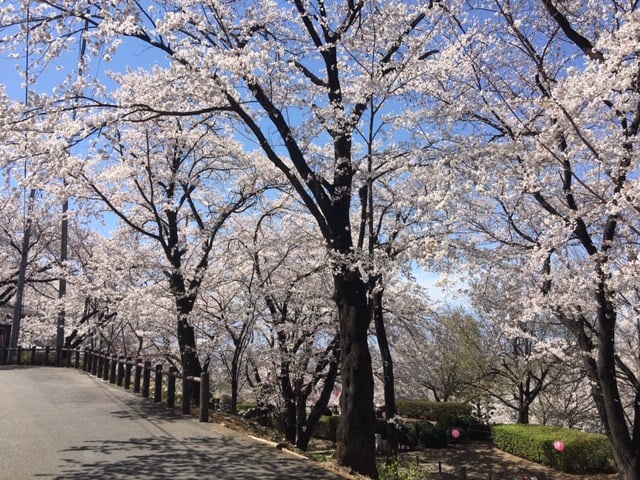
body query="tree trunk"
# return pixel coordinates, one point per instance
(190, 363)
(387, 372)
(356, 429)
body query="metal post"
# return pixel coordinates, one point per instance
(46, 355)
(33, 355)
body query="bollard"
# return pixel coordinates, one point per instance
(146, 377)
(157, 392)
(127, 373)
(204, 397)
(171, 388)
(186, 394)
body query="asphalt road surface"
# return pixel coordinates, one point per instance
(58, 423)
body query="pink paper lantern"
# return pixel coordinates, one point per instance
(455, 433)
(558, 445)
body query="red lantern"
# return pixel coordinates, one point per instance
(455, 433)
(558, 445)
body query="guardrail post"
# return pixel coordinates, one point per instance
(204, 397)
(186, 394)
(46, 355)
(77, 358)
(67, 362)
(120, 376)
(157, 392)
(127, 373)
(112, 371)
(171, 388)
(146, 377)
(33, 355)
(137, 376)
(105, 367)
(97, 365)
(85, 365)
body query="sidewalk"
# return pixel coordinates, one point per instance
(58, 423)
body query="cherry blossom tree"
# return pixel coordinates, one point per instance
(542, 108)
(173, 183)
(294, 78)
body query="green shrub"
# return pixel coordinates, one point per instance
(432, 411)
(327, 427)
(470, 427)
(430, 436)
(583, 452)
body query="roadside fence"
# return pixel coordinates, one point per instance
(119, 370)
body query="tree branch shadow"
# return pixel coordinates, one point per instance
(189, 458)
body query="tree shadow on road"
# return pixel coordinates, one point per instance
(190, 458)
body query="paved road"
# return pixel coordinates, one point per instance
(58, 423)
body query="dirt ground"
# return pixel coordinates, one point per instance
(484, 461)
(481, 460)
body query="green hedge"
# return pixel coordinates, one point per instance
(583, 452)
(432, 411)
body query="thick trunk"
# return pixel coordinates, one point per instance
(289, 415)
(235, 374)
(387, 371)
(190, 363)
(356, 429)
(523, 413)
(625, 445)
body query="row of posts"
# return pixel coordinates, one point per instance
(118, 370)
(17, 356)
